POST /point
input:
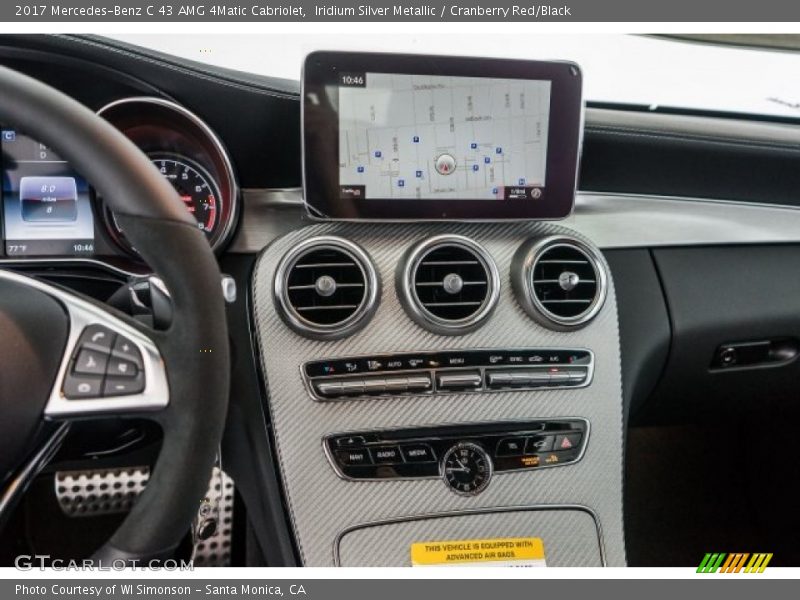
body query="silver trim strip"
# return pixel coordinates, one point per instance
(24, 262)
(81, 314)
(610, 220)
(32, 468)
(233, 189)
(474, 511)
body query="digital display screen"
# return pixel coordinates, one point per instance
(426, 137)
(47, 207)
(436, 137)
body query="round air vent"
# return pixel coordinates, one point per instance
(449, 284)
(559, 281)
(326, 288)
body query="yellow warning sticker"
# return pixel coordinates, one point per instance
(498, 552)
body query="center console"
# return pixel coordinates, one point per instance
(432, 379)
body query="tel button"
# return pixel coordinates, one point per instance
(97, 337)
(511, 447)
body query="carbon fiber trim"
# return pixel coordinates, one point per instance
(570, 536)
(322, 505)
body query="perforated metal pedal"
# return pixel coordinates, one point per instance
(114, 491)
(213, 527)
(99, 492)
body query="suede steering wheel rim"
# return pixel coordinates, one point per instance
(194, 349)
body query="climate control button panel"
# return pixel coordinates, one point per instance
(448, 372)
(428, 452)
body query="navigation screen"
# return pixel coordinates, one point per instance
(435, 137)
(425, 137)
(46, 206)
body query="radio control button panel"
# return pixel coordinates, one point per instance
(419, 453)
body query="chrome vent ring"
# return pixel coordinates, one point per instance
(326, 288)
(448, 284)
(560, 281)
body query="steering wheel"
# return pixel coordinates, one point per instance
(64, 357)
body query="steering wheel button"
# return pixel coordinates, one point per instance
(118, 367)
(90, 362)
(97, 338)
(127, 350)
(123, 386)
(83, 386)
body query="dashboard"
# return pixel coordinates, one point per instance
(385, 332)
(51, 211)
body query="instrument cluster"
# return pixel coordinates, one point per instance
(50, 211)
(188, 154)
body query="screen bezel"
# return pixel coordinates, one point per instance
(320, 128)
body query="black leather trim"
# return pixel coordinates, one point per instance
(691, 156)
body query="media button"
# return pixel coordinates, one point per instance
(418, 453)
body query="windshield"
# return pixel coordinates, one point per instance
(620, 69)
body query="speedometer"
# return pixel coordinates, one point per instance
(195, 187)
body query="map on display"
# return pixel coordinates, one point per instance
(437, 137)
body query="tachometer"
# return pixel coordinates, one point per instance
(195, 187)
(198, 190)
(189, 155)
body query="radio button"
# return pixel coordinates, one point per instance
(386, 455)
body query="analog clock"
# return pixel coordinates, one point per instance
(466, 468)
